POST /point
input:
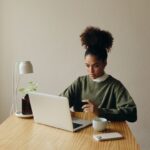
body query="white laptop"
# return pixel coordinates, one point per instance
(54, 111)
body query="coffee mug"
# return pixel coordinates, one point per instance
(99, 124)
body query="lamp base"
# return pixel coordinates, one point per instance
(19, 114)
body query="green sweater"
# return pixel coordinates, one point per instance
(110, 96)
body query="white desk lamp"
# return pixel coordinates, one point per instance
(21, 68)
(25, 67)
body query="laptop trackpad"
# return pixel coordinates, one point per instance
(80, 122)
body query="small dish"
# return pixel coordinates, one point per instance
(19, 114)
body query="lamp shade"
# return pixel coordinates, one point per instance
(25, 67)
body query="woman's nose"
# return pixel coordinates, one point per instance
(91, 70)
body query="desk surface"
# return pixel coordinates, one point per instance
(24, 134)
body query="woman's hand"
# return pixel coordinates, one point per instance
(89, 107)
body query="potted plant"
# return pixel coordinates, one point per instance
(26, 107)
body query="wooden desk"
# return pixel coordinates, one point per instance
(24, 134)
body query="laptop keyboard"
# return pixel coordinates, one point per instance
(75, 125)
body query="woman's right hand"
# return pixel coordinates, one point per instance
(89, 106)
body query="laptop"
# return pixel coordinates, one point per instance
(54, 111)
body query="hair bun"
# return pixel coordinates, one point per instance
(96, 38)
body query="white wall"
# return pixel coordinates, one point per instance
(47, 33)
(1, 115)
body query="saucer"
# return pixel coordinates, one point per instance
(19, 114)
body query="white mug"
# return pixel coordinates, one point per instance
(99, 124)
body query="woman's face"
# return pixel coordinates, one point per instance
(95, 67)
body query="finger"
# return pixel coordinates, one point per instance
(86, 106)
(85, 100)
(86, 110)
(90, 102)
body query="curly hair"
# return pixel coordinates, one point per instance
(97, 42)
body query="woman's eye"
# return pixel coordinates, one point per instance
(96, 66)
(87, 66)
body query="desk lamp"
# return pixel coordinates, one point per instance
(21, 68)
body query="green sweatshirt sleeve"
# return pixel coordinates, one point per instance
(73, 93)
(125, 106)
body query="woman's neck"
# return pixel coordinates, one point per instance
(101, 78)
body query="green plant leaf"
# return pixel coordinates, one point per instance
(31, 87)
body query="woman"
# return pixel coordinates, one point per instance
(104, 95)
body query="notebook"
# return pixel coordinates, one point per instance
(54, 111)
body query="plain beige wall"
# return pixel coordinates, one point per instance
(47, 33)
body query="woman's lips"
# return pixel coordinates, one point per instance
(92, 76)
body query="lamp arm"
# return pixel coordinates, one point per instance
(15, 83)
(13, 105)
(16, 93)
